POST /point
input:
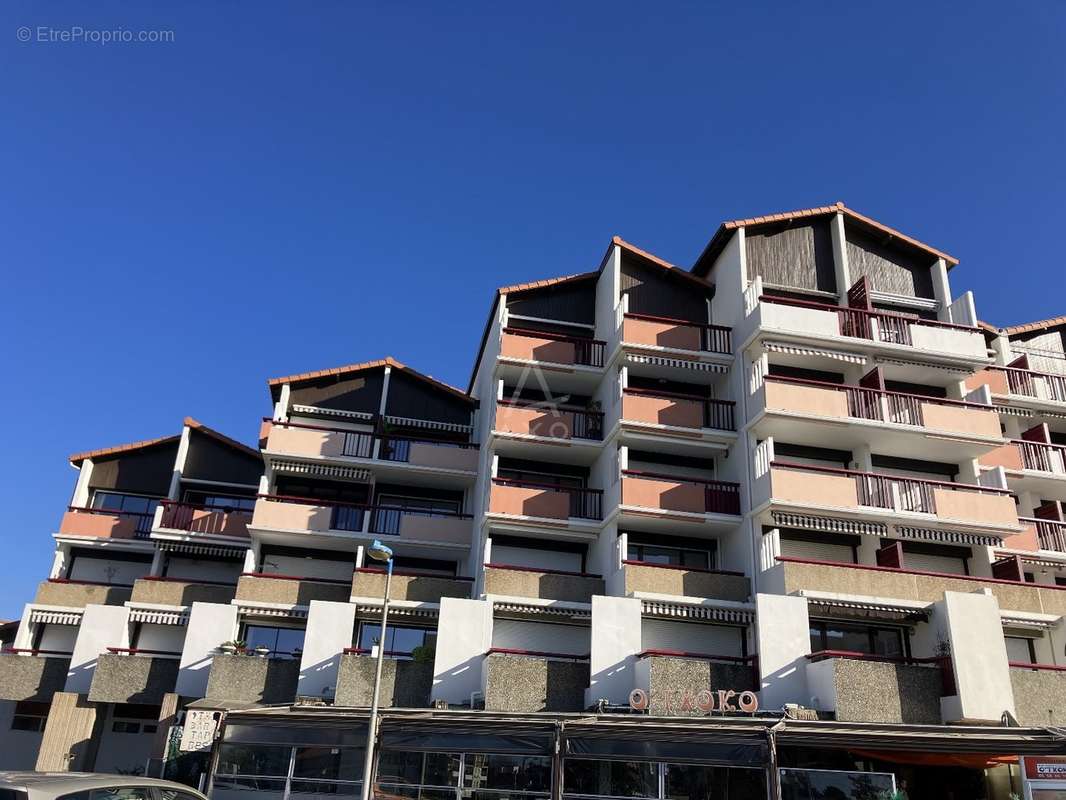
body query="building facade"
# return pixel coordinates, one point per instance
(788, 520)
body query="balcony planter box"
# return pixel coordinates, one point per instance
(502, 579)
(370, 582)
(404, 684)
(30, 677)
(873, 691)
(519, 683)
(239, 680)
(132, 679)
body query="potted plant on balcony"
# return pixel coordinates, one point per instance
(231, 647)
(262, 650)
(423, 654)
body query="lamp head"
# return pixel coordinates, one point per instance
(379, 551)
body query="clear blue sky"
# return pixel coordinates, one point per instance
(294, 186)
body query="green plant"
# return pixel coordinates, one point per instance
(423, 654)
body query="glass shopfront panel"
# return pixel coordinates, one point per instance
(462, 776)
(587, 778)
(277, 772)
(816, 784)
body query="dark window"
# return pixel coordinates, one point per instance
(328, 491)
(258, 759)
(692, 782)
(418, 769)
(867, 639)
(125, 726)
(428, 565)
(495, 777)
(29, 716)
(1020, 650)
(671, 556)
(223, 502)
(127, 503)
(400, 640)
(613, 778)
(279, 641)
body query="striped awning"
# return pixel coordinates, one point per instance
(321, 470)
(374, 612)
(954, 537)
(732, 616)
(185, 548)
(39, 617)
(159, 617)
(411, 422)
(1050, 563)
(884, 610)
(532, 609)
(922, 364)
(675, 363)
(800, 350)
(253, 610)
(332, 412)
(829, 524)
(1022, 622)
(1012, 411)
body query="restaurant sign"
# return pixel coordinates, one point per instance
(685, 702)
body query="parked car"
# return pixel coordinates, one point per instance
(90, 786)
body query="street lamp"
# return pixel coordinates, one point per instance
(378, 552)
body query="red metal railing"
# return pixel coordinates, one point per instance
(719, 497)
(1050, 533)
(140, 651)
(1026, 382)
(510, 651)
(587, 352)
(182, 516)
(1042, 457)
(713, 338)
(948, 575)
(586, 424)
(360, 444)
(280, 577)
(1037, 667)
(584, 503)
(195, 581)
(142, 521)
(860, 324)
(889, 491)
(717, 414)
(384, 519)
(942, 663)
(34, 652)
(682, 568)
(543, 571)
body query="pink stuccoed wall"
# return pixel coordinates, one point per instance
(677, 412)
(534, 421)
(667, 495)
(305, 442)
(80, 523)
(529, 502)
(661, 334)
(531, 348)
(1009, 456)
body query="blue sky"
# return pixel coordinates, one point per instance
(286, 187)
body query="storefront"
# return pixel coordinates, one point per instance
(316, 753)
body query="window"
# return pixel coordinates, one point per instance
(671, 556)
(611, 778)
(174, 794)
(400, 640)
(803, 784)
(126, 503)
(241, 769)
(279, 641)
(418, 769)
(223, 502)
(326, 772)
(1020, 650)
(505, 777)
(29, 716)
(867, 639)
(690, 782)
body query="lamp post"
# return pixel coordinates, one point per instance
(378, 552)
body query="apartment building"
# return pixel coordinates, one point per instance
(788, 521)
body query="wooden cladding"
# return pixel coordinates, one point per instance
(797, 256)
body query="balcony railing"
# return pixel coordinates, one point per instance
(682, 410)
(679, 333)
(364, 444)
(558, 348)
(942, 663)
(583, 503)
(716, 497)
(511, 651)
(383, 519)
(126, 524)
(1041, 457)
(140, 651)
(549, 420)
(1038, 385)
(198, 518)
(902, 408)
(1050, 533)
(881, 326)
(751, 661)
(875, 490)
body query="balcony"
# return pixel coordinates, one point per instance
(102, 524)
(1021, 384)
(78, 594)
(193, 518)
(32, 674)
(404, 683)
(671, 676)
(804, 412)
(858, 687)
(649, 491)
(180, 591)
(676, 334)
(1034, 466)
(133, 676)
(546, 501)
(544, 584)
(899, 332)
(832, 489)
(303, 515)
(658, 579)
(1039, 534)
(523, 681)
(239, 680)
(370, 582)
(551, 348)
(670, 410)
(550, 422)
(1039, 694)
(795, 575)
(317, 441)
(261, 587)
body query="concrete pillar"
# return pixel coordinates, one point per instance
(168, 716)
(784, 644)
(941, 289)
(81, 488)
(330, 628)
(840, 259)
(979, 658)
(616, 641)
(101, 627)
(70, 734)
(210, 624)
(464, 635)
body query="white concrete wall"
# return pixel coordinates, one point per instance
(106, 570)
(210, 624)
(616, 640)
(729, 276)
(607, 288)
(467, 629)
(101, 627)
(167, 638)
(979, 658)
(821, 684)
(18, 749)
(330, 629)
(948, 340)
(784, 643)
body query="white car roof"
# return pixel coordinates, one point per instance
(65, 782)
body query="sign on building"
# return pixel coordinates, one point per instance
(200, 730)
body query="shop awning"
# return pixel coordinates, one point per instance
(442, 737)
(959, 740)
(970, 760)
(723, 748)
(350, 734)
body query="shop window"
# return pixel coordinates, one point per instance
(803, 784)
(326, 772)
(506, 777)
(262, 769)
(867, 639)
(612, 778)
(420, 776)
(692, 782)
(401, 641)
(29, 716)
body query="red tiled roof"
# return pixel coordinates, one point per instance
(521, 287)
(717, 243)
(388, 361)
(1039, 325)
(77, 458)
